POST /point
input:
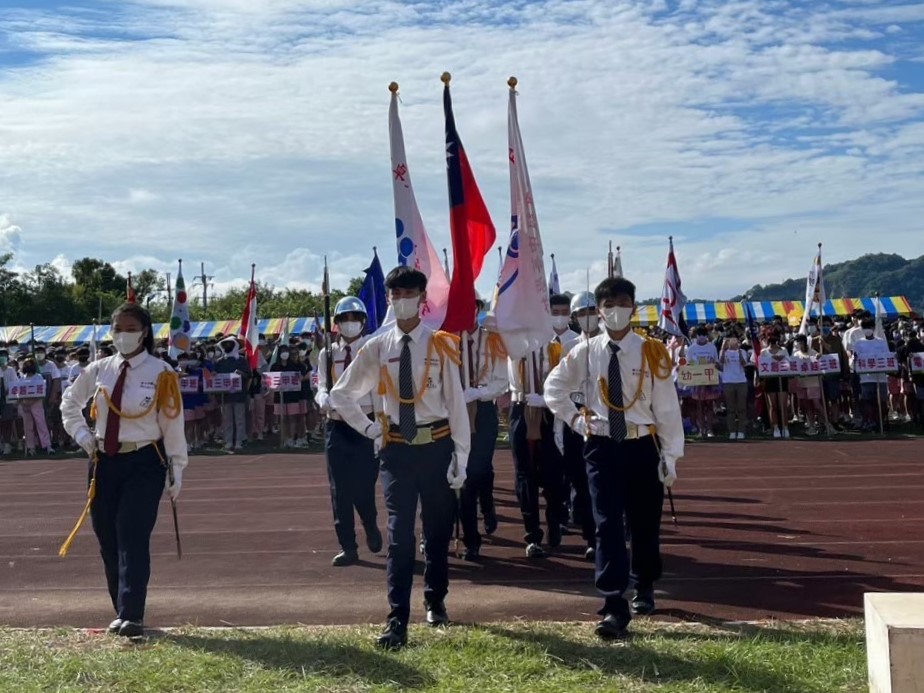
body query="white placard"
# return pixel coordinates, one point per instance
(818, 365)
(886, 363)
(222, 382)
(769, 367)
(26, 390)
(283, 381)
(189, 384)
(917, 362)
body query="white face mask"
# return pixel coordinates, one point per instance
(868, 332)
(560, 323)
(589, 323)
(127, 342)
(406, 308)
(284, 357)
(617, 318)
(351, 329)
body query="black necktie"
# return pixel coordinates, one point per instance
(348, 357)
(407, 420)
(617, 418)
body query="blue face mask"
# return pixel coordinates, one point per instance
(826, 330)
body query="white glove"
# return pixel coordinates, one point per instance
(86, 440)
(535, 400)
(322, 399)
(667, 471)
(373, 430)
(173, 490)
(558, 430)
(472, 394)
(377, 446)
(595, 426)
(456, 474)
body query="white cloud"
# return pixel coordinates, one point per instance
(10, 235)
(240, 131)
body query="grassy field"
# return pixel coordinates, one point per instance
(822, 657)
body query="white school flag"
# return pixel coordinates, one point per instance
(814, 293)
(521, 303)
(414, 247)
(670, 316)
(179, 322)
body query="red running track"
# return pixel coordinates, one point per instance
(782, 529)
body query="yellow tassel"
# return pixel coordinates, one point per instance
(658, 359)
(554, 354)
(495, 346)
(91, 494)
(447, 346)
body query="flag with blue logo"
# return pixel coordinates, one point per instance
(414, 247)
(372, 294)
(521, 313)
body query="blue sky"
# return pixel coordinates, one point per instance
(239, 131)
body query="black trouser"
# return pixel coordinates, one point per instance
(479, 473)
(410, 472)
(124, 512)
(537, 465)
(352, 470)
(623, 478)
(576, 474)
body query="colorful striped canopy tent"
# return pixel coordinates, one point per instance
(81, 334)
(893, 306)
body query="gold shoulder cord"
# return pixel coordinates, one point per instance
(657, 358)
(167, 398)
(446, 345)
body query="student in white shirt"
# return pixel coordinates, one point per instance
(352, 466)
(32, 411)
(139, 431)
(732, 362)
(8, 411)
(634, 437)
(873, 389)
(426, 444)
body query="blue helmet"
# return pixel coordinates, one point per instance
(349, 304)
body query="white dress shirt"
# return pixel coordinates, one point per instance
(488, 371)
(338, 350)
(137, 395)
(864, 348)
(658, 404)
(533, 364)
(567, 339)
(442, 397)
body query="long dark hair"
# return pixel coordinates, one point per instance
(133, 310)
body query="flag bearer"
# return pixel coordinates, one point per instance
(538, 463)
(583, 311)
(634, 437)
(486, 373)
(425, 448)
(352, 467)
(139, 431)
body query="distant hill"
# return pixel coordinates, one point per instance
(889, 275)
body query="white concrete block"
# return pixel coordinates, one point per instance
(895, 642)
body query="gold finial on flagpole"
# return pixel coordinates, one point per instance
(512, 82)
(445, 77)
(393, 87)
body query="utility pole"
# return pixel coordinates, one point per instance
(205, 280)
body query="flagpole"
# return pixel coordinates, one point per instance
(878, 391)
(829, 430)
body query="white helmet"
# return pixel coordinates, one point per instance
(582, 300)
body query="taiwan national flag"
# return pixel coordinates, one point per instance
(472, 230)
(249, 329)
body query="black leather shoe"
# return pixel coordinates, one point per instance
(472, 554)
(345, 558)
(436, 615)
(131, 629)
(490, 523)
(590, 554)
(394, 637)
(612, 627)
(114, 627)
(643, 602)
(374, 539)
